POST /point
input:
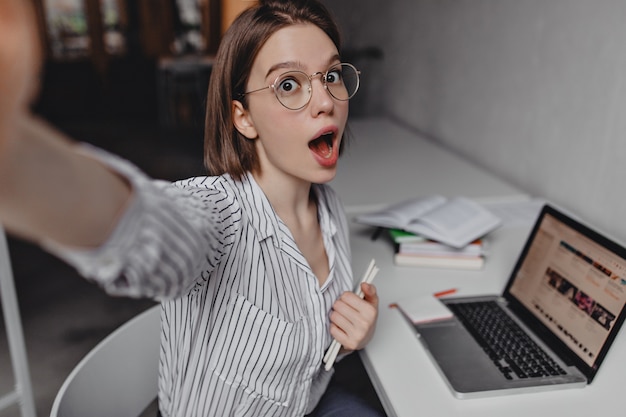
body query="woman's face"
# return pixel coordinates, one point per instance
(295, 145)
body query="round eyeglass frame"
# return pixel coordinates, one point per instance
(274, 86)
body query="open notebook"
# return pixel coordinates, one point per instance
(566, 292)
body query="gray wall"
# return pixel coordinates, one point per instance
(533, 90)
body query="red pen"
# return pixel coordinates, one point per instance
(444, 293)
(437, 295)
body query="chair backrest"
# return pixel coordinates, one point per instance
(119, 376)
(22, 393)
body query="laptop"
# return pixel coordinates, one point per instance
(566, 294)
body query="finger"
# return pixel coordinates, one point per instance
(338, 333)
(347, 310)
(370, 294)
(359, 313)
(355, 322)
(352, 337)
(347, 341)
(19, 54)
(341, 321)
(344, 323)
(347, 300)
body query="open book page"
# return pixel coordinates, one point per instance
(516, 213)
(457, 222)
(401, 214)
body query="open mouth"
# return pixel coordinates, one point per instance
(323, 145)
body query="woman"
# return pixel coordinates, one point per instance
(251, 263)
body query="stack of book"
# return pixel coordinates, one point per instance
(455, 222)
(415, 250)
(442, 232)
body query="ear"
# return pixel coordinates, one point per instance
(242, 120)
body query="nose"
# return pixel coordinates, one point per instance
(321, 101)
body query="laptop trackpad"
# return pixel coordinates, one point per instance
(464, 365)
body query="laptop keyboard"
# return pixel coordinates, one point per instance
(514, 353)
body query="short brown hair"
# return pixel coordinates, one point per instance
(226, 151)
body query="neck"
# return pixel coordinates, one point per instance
(289, 197)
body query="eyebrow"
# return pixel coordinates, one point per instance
(297, 65)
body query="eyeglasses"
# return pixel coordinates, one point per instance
(293, 88)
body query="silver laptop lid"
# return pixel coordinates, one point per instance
(569, 286)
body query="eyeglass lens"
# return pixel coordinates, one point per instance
(293, 88)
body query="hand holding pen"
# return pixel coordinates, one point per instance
(335, 346)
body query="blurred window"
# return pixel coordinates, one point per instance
(68, 27)
(113, 26)
(66, 22)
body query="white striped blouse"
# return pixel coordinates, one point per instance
(244, 322)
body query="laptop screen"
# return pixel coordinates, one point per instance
(573, 281)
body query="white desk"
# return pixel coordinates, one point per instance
(407, 382)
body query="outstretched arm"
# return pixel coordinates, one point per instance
(48, 191)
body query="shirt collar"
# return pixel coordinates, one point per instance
(267, 223)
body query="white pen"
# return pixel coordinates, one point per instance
(333, 349)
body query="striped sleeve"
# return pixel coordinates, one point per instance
(167, 239)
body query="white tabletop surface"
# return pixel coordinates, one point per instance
(385, 164)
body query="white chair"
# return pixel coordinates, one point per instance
(119, 376)
(23, 392)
